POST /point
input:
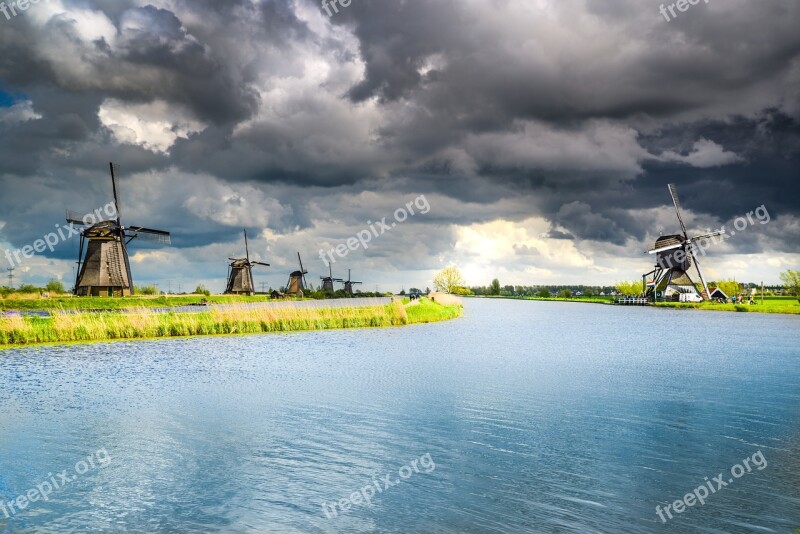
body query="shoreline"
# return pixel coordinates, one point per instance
(773, 305)
(142, 324)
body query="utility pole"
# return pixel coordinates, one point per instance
(263, 287)
(169, 287)
(762, 292)
(11, 277)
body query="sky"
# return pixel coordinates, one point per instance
(541, 134)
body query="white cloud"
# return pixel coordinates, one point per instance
(18, 113)
(154, 126)
(704, 154)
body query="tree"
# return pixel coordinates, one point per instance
(54, 286)
(494, 287)
(28, 289)
(463, 291)
(147, 290)
(448, 279)
(565, 293)
(202, 290)
(791, 281)
(729, 287)
(630, 288)
(543, 293)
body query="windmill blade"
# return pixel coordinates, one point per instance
(706, 236)
(148, 234)
(114, 171)
(662, 249)
(674, 192)
(259, 263)
(303, 272)
(246, 246)
(75, 217)
(699, 271)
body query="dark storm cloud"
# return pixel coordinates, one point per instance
(145, 53)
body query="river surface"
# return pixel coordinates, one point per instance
(520, 417)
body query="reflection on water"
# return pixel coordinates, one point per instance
(540, 417)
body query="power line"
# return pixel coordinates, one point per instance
(11, 277)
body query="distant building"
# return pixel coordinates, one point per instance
(717, 293)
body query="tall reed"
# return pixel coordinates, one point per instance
(64, 326)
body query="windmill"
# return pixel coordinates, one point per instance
(348, 285)
(240, 273)
(675, 256)
(297, 280)
(328, 281)
(105, 269)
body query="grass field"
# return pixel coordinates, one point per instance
(142, 323)
(786, 305)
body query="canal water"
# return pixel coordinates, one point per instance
(520, 417)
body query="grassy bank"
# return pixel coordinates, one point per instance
(589, 300)
(35, 302)
(142, 323)
(426, 311)
(784, 305)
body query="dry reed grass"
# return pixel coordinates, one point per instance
(445, 299)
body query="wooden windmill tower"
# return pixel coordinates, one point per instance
(348, 285)
(675, 256)
(105, 270)
(328, 281)
(297, 280)
(240, 273)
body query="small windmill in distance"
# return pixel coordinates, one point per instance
(297, 280)
(348, 285)
(240, 273)
(328, 281)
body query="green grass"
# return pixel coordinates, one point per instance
(591, 300)
(118, 303)
(428, 312)
(142, 323)
(786, 305)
